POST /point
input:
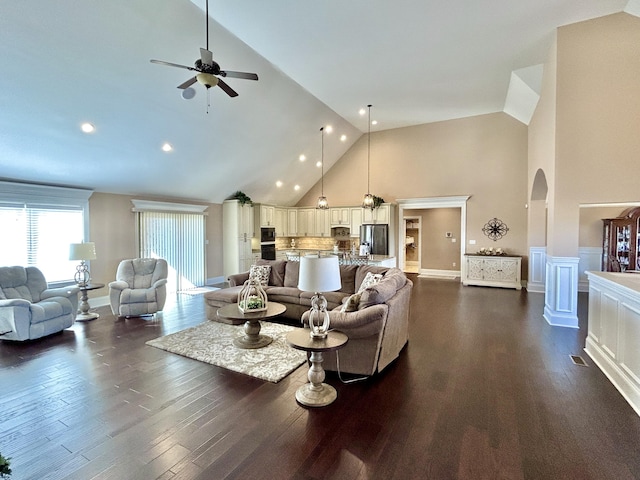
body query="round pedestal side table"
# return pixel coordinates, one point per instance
(316, 393)
(252, 337)
(83, 310)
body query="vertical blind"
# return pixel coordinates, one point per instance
(179, 238)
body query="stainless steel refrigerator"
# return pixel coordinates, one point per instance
(377, 236)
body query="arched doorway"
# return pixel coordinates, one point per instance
(537, 228)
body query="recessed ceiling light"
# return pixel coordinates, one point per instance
(343, 138)
(362, 111)
(87, 127)
(166, 147)
(297, 187)
(278, 184)
(374, 122)
(318, 164)
(328, 129)
(302, 158)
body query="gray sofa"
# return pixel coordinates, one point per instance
(377, 328)
(29, 309)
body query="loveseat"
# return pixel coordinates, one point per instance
(29, 309)
(376, 323)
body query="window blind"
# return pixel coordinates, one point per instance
(179, 238)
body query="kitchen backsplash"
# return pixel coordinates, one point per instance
(312, 243)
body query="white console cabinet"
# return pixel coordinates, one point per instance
(493, 271)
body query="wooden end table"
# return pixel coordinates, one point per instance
(252, 337)
(316, 393)
(84, 314)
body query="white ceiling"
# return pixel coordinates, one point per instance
(416, 61)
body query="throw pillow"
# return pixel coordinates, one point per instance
(369, 280)
(260, 273)
(351, 304)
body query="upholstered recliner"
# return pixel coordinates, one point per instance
(140, 287)
(29, 309)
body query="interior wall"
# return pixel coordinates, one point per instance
(483, 156)
(440, 252)
(542, 154)
(598, 112)
(591, 226)
(112, 228)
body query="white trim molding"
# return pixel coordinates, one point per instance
(434, 202)
(561, 291)
(153, 206)
(537, 269)
(590, 260)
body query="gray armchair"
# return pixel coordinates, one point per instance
(29, 309)
(140, 287)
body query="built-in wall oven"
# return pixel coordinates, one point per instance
(268, 243)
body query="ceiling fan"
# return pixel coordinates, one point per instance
(209, 71)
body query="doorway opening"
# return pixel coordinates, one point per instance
(412, 244)
(458, 202)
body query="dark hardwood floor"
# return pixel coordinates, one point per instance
(484, 389)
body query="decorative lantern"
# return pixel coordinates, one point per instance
(252, 297)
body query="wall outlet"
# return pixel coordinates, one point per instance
(453, 240)
(472, 242)
(454, 264)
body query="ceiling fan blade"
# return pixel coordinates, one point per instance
(169, 64)
(227, 89)
(188, 83)
(245, 75)
(206, 56)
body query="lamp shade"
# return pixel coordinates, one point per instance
(82, 251)
(319, 274)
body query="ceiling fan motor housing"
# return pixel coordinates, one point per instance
(212, 68)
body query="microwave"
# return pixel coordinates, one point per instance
(267, 235)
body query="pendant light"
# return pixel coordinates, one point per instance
(367, 202)
(323, 204)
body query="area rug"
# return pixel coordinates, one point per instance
(212, 342)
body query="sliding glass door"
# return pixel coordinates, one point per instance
(179, 238)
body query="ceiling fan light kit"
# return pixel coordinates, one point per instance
(207, 79)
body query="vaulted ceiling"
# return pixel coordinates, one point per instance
(68, 62)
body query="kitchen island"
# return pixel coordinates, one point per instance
(613, 340)
(344, 256)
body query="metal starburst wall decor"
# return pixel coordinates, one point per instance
(495, 229)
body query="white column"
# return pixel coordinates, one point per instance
(561, 291)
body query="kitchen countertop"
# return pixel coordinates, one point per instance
(373, 259)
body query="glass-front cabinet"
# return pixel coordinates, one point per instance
(621, 242)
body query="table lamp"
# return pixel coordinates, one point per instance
(83, 252)
(319, 274)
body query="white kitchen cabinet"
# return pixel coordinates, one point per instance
(281, 221)
(340, 216)
(267, 216)
(292, 222)
(237, 231)
(377, 215)
(355, 221)
(306, 222)
(322, 223)
(493, 271)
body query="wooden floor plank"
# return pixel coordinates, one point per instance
(484, 389)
